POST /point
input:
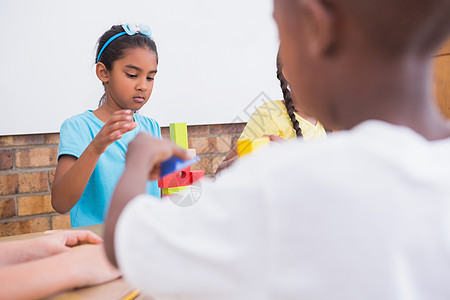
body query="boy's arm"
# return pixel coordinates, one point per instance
(143, 161)
(40, 278)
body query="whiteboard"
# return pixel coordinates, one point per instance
(216, 64)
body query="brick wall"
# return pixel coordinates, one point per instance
(27, 169)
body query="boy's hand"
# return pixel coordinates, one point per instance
(149, 153)
(120, 122)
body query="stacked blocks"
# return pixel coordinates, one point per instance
(247, 146)
(178, 181)
(178, 135)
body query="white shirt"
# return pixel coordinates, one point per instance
(362, 215)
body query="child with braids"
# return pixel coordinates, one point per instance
(93, 144)
(278, 120)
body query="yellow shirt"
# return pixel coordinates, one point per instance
(272, 118)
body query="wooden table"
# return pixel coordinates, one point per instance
(117, 289)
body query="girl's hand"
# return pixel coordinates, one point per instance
(90, 266)
(149, 152)
(275, 138)
(62, 241)
(120, 122)
(53, 243)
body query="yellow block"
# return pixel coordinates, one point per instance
(174, 190)
(178, 134)
(246, 146)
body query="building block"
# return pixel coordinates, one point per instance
(175, 182)
(174, 164)
(178, 134)
(196, 176)
(247, 146)
(174, 190)
(182, 178)
(176, 179)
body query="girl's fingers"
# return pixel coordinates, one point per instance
(181, 153)
(118, 127)
(119, 117)
(77, 237)
(274, 138)
(117, 131)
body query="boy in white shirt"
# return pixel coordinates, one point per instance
(363, 215)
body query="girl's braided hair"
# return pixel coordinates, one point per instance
(287, 98)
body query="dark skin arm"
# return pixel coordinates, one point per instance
(143, 162)
(72, 174)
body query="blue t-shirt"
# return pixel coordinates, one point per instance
(76, 134)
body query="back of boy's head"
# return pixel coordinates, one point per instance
(396, 27)
(116, 49)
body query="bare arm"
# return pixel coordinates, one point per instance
(229, 160)
(72, 174)
(15, 252)
(143, 162)
(43, 277)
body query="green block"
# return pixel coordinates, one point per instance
(174, 190)
(178, 134)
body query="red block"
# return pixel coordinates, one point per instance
(180, 178)
(196, 175)
(184, 177)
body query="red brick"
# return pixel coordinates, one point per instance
(7, 208)
(224, 143)
(24, 226)
(36, 157)
(203, 145)
(52, 138)
(34, 205)
(51, 178)
(21, 140)
(226, 128)
(165, 133)
(198, 130)
(204, 165)
(61, 222)
(23, 183)
(216, 161)
(6, 162)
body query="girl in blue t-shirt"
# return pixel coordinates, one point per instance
(93, 144)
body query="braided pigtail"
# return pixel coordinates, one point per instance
(287, 98)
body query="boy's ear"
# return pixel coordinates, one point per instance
(321, 34)
(102, 72)
(286, 76)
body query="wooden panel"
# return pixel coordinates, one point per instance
(444, 49)
(442, 83)
(442, 78)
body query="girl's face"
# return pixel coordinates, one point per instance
(131, 79)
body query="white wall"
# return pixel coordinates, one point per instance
(216, 57)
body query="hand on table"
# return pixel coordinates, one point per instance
(55, 242)
(90, 265)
